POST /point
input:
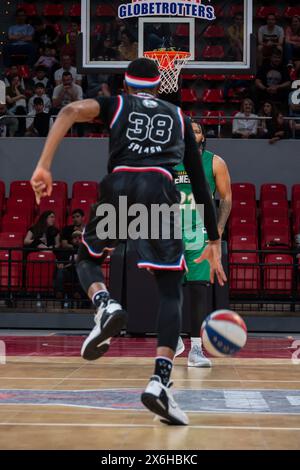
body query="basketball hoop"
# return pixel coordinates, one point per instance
(170, 64)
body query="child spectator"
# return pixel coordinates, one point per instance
(40, 92)
(39, 123)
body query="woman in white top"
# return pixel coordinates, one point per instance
(244, 126)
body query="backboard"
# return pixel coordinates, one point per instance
(217, 33)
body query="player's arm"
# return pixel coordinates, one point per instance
(78, 111)
(223, 184)
(202, 195)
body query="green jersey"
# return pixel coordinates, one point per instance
(193, 224)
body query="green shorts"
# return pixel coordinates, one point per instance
(196, 272)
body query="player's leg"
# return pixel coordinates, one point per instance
(157, 396)
(110, 317)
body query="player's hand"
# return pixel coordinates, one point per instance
(41, 182)
(212, 254)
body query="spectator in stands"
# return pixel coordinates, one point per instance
(270, 36)
(39, 122)
(128, 49)
(40, 92)
(8, 124)
(13, 72)
(272, 80)
(40, 76)
(45, 34)
(235, 34)
(20, 40)
(78, 226)
(104, 50)
(43, 234)
(66, 66)
(272, 129)
(245, 124)
(47, 59)
(16, 102)
(292, 42)
(97, 85)
(70, 48)
(66, 93)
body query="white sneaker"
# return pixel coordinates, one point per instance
(158, 399)
(109, 320)
(196, 358)
(180, 347)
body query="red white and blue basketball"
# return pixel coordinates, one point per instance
(223, 333)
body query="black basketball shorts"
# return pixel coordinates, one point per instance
(111, 221)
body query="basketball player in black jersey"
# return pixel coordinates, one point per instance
(148, 138)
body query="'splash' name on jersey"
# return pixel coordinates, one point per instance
(140, 149)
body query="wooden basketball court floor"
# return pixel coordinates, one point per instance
(51, 399)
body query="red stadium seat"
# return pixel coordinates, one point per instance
(21, 206)
(58, 28)
(243, 203)
(213, 118)
(85, 189)
(213, 52)
(274, 209)
(106, 10)
(240, 211)
(40, 268)
(240, 243)
(278, 274)
(275, 236)
(29, 8)
(21, 189)
(84, 204)
(75, 10)
(214, 31)
(244, 273)
(11, 240)
(190, 76)
(243, 191)
(14, 223)
(189, 95)
(10, 270)
(295, 193)
(263, 12)
(236, 95)
(244, 230)
(289, 12)
(57, 206)
(54, 10)
(235, 224)
(213, 96)
(273, 192)
(60, 191)
(213, 78)
(242, 77)
(182, 30)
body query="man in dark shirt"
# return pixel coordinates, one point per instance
(148, 138)
(272, 80)
(41, 120)
(67, 233)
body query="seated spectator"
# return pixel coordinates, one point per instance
(47, 59)
(44, 35)
(78, 225)
(128, 49)
(43, 234)
(97, 85)
(66, 93)
(292, 41)
(70, 48)
(270, 36)
(104, 50)
(235, 34)
(39, 123)
(272, 80)
(272, 129)
(40, 92)
(294, 111)
(9, 125)
(20, 41)
(16, 102)
(244, 126)
(66, 66)
(10, 74)
(40, 76)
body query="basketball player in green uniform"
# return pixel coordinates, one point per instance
(197, 279)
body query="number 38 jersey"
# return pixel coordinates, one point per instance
(144, 131)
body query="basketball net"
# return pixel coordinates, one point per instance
(169, 63)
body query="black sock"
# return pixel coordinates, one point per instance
(163, 368)
(99, 297)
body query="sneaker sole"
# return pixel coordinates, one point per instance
(153, 404)
(99, 345)
(200, 365)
